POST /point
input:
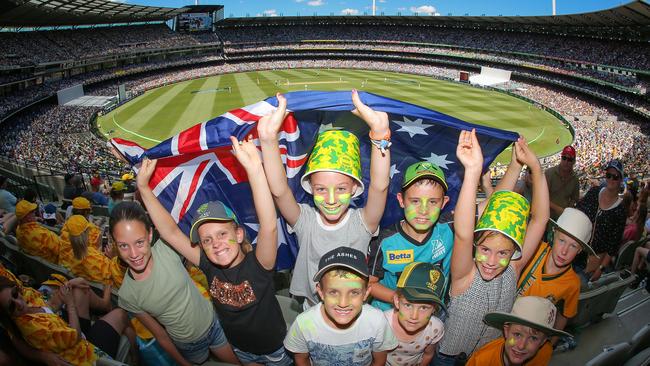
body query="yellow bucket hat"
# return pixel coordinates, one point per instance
(76, 225)
(127, 176)
(507, 213)
(118, 186)
(55, 280)
(335, 151)
(23, 208)
(81, 203)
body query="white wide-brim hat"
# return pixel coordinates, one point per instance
(577, 225)
(531, 311)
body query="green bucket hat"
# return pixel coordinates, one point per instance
(335, 151)
(507, 213)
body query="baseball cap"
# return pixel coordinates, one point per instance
(424, 169)
(23, 208)
(95, 181)
(347, 257)
(118, 186)
(423, 282)
(80, 203)
(127, 176)
(616, 164)
(211, 211)
(76, 225)
(49, 212)
(569, 151)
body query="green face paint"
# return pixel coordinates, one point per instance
(343, 199)
(431, 211)
(480, 257)
(503, 262)
(232, 241)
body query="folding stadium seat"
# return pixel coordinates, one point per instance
(611, 355)
(40, 269)
(614, 292)
(604, 280)
(640, 340)
(588, 307)
(640, 359)
(626, 253)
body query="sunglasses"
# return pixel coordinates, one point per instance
(568, 158)
(612, 176)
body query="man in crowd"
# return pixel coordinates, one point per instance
(562, 182)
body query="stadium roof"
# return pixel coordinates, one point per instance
(636, 13)
(47, 13)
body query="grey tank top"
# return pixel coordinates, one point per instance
(465, 330)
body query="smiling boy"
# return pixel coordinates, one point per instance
(417, 238)
(341, 329)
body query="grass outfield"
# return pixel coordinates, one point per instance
(165, 111)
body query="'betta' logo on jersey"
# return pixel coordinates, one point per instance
(399, 256)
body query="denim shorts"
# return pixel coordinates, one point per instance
(277, 358)
(199, 350)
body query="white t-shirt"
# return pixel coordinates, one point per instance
(410, 353)
(326, 346)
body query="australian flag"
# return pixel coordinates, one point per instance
(197, 165)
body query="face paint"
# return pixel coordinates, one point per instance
(343, 199)
(503, 262)
(511, 341)
(480, 257)
(232, 241)
(433, 212)
(401, 315)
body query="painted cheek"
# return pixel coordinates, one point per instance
(503, 262)
(344, 198)
(434, 214)
(511, 341)
(319, 200)
(481, 257)
(410, 212)
(232, 242)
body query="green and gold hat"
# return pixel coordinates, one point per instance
(507, 213)
(335, 151)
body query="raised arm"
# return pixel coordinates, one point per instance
(268, 128)
(470, 155)
(539, 211)
(509, 180)
(267, 235)
(161, 218)
(379, 162)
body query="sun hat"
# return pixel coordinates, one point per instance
(24, 207)
(424, 169)
(335, 151)
(577, 225)
(211, 211)
(118, 186)
(76, 225)
(127, 176)
(347, 257)
(507, 213)
(81, 203)
(531, 311)
(424, 282)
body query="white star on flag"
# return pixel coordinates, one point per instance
(412, 127)
(393, 170)
(256, 228)
(327, 127)
(439, 160)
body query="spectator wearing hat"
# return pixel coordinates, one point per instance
(563, 186)
(50, 215)
(98, 197)
(526, 329)
(605, 210)
(116, 195)
(7, 200)
(550, 275)
(419, 294)
(73, 186)
(81, 206)
(33, 238)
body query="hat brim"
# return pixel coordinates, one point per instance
(417, 295)
(304, 181)
(322, 271)
(194, 230)
(584, 245)
(498, 319)
(440, 181)
(516, 255)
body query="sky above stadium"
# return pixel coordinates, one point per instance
(240, 8)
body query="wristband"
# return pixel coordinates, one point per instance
(385, 137)
(382, 145)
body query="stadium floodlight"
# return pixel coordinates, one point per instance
(373, 7)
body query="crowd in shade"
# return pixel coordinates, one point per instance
(31, 48)
(600, 133)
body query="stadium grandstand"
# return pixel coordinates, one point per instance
(76, 74)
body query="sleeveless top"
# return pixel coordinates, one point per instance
(465, 330)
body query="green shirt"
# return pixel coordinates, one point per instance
(170, 296)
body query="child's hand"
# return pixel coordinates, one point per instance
(525, 155)
(246, 152)
(377, 121)
(144, 174)
(469, 152)
(513, 159)
(269, 125)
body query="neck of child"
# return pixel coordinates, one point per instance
(418, 235)
(506, 360)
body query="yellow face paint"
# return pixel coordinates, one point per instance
(425, 208)
(511, 341)
(343, 200)
(480, 257)
(232, 241)
(503, 262)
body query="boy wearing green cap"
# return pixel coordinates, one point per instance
(333, 177)
(419, 294)
(417, 238)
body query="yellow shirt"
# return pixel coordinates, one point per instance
(39, 241)
(48, 332)
(93, 235)
(491, 354)
(31, 296)
(199, 279)
(562, 289)
(95, 266)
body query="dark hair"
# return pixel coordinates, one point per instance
(128, 211)
(5, 318)
(30, 195)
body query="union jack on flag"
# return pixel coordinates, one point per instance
(197, 165)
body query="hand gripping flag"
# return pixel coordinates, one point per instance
(197, 165)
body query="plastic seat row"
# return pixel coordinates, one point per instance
(601, 298)
(636, 352)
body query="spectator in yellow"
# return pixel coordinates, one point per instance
(81, 206)
(83, 259)
(33, 238)
(31, 296)
(116, 195)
